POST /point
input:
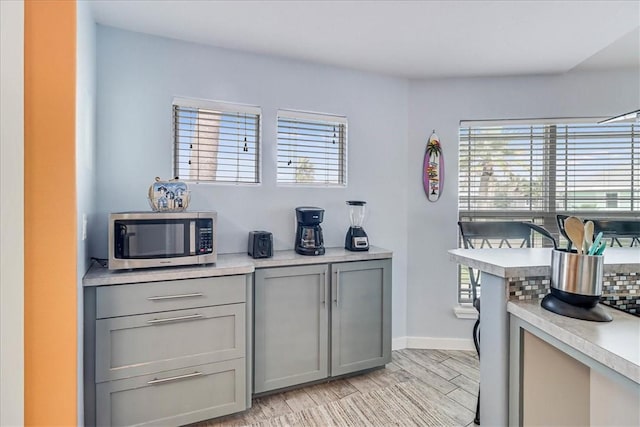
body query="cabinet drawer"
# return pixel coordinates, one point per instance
(137, 345)
(139, 298)
(174, 397)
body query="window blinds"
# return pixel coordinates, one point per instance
(549, 169)
(216, 142)
(311, 148)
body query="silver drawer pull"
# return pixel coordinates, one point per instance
(198, 294)
(179, 377)
(175, 319)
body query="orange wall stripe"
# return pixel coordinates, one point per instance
(50, 213)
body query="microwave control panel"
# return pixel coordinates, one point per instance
(205, 236)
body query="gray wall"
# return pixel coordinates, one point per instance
(440, 105)
(85, 157)
(138, 76)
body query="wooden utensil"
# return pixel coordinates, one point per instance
(575, 230)
(588, 236)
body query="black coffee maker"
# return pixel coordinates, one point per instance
(309, 239)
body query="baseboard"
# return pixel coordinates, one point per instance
(432, 343)
(399, 343)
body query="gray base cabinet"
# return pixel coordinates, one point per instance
(167, 353)
(291, 326)
(360, 316)
(317, 321)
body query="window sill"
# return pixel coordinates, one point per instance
(465, 311)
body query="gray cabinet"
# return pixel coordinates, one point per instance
(360, 316)
(311, 325)
(167, 353)
(291, 326)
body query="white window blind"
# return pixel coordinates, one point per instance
(311, 149)
(532, 172)
(216, 142)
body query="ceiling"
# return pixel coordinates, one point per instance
(412, 39)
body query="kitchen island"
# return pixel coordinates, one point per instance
(523, 275)
(566, 371)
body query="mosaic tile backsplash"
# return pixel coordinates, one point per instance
(619, 290)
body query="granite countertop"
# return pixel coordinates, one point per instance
(527, 262)
(227, 264)
(614, 344)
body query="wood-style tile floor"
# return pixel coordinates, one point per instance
(419, 388)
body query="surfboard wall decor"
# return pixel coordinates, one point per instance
(433, 168)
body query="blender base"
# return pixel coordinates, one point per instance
(594, 314)
(356, 240)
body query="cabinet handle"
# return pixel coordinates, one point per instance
(179, 377)
(160, 298)
(337, 287)
(175, 319)
(324, 288)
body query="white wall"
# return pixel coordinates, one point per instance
(440, 105)
(12, 213)
(138, 76)
(85, 160)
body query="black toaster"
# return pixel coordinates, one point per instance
(260, 244)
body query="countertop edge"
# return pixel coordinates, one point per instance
(363, 256)
(606, 357)
(487, 260)
(478, 265)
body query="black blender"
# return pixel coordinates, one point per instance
(309, 240)
(356, 239)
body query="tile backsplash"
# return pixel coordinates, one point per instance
(618, 290)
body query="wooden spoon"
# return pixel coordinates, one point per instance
(575, 230)
(588, 236)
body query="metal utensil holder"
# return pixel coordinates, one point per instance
(577, 273)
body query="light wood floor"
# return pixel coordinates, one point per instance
(419, 388)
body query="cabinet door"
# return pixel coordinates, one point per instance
(291, 326)
(361, 315)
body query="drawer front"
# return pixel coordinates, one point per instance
(174, 397)
(148, 343)
(140, 298)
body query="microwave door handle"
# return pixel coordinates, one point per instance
(192, 238)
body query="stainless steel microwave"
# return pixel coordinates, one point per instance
(161, 239)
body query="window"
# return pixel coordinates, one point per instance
(216, 142)
(311, 148)
(532, 172)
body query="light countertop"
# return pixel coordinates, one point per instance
(528, 262)
(614, 344)
(226, 265)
